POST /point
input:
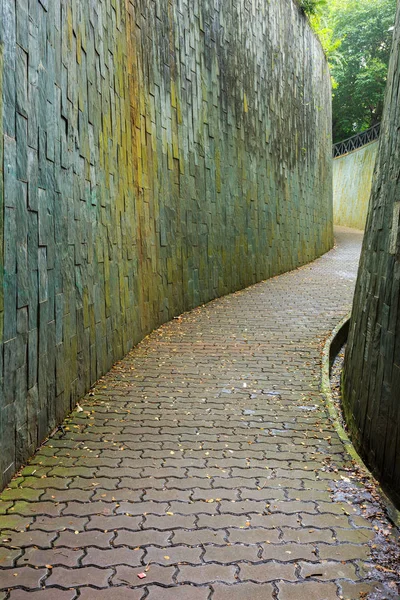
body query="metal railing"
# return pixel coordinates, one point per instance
(357, 141)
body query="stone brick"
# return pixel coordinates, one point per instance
(67, 578)
(173, 555)
(229, 554)
(45, 523)
(8, 556)
(84, 538)
(115, 556)
(22, 577)
(78, 509)
(183, 592)
(148, 537)
(25, 539)
(305, 536)
(53, 594)
(110, 593)
(288, 552)
(253, 536)
(143, 508)
(326, 571)
(221, 521)
(268, 571)
(239, 591)
(107, 523)
(357, 536)
(55, 556)
(307, 591)
(343, 552)
(156, 574)
(51, 509)
(355, 591)
(167, 521)
(206, 574)
(198, 536)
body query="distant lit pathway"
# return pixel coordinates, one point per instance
(203, 460)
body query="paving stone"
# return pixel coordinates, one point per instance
(288, 552)
(51, 509)
(107, 523)
(275, 520)
(194, 508)
(246, 507)
(45, 523)
(305, 536)
(156, 574)
(355, 591)
(67, 495)
(41, 539)
(67, 578)
(205, 574)
(55, 556)
(229, 554)
(120, 495)
(148, 537)
(17, 522)
(357, 536)
(84, 538)
(344, 552)
(253, 536)
(198, 536)
(110, 593)
(329, 571)
(21, 494)
(182, 592)
(91, 508)
(240, 591)
(268, 571)
(21, 576)
(169, 495)
(173, 555)
(5, 507)
(263, 494)
(169, 521)
(221, 521)
(115, 556)
(54, 594)
(8, 556)
(324, 521)
(222, 493)
(307, 591)
(143, 508)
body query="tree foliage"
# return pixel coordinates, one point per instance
(356, 36)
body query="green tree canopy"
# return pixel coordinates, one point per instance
(356, 35)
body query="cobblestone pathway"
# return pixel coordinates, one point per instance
(204, 460)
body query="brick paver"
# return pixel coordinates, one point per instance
(200, 461)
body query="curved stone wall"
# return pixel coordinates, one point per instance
(352, 182)
(156, 155)
(372, 363)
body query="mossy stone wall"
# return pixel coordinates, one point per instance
(372, 362)
(352, 182)
(156, 155)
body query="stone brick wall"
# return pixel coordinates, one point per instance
(352, 182)
(156, 155)
(372, 364)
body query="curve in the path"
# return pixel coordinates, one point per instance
(202, 465)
